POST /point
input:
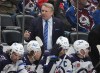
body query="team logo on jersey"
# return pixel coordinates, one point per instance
(59, 70)
(85, 20)
(2, 58)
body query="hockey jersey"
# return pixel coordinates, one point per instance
(4, 60)
(62, 66)
(85, 20)
(31, 67)
(96, 17)
(56, 65)
(81, 64)
(18, 67)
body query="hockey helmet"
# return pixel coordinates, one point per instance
(81, 44)
(33, 45)
(17, 48)
(63, 41)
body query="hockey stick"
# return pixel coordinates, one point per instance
(59, 65)
(62, 60)
(98, 47)
(41, 44)
(39, 40)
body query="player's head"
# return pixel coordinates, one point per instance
(81, 47)
(34, 49)
(63, 45)
(16, 52)
(63, 41)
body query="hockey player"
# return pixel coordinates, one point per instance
(32, 57)
(4, 60)
(61, 64)
(17, 65)
(80, 60)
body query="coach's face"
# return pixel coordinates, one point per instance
(46, 12)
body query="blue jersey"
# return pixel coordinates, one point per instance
(47, 62)
(66, 4)
(96, 17)
(31, 67)
(85, 20)
(26, 60)
(4, 60)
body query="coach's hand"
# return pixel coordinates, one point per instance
(27, 35)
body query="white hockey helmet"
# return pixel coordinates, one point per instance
(17, 48)
(33, 45)
(80, 44)
(63, 41)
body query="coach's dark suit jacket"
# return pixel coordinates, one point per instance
(94, 40)
(36, 29)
